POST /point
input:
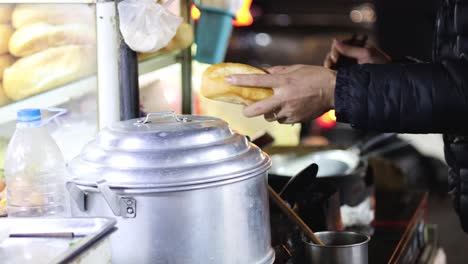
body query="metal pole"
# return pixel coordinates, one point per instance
(128, 77)
(107, 63)
(186, 64)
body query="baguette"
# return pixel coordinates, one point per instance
(5, 13)
(5, 34)
(6, 61)
(48, 69)
(3, 101)
(55, 14)
(214, 87)
(40, 36)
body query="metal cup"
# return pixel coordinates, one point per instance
(340, 248)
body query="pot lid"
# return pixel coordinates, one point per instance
(167, 150)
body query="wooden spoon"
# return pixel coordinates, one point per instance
(293, 216)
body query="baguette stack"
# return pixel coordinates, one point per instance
(42, 46)
(6, 60)
(47, 69)
(41, 36)
(5, 13)
(53, 44)
(54, 14)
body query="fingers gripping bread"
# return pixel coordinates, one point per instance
(214, 86)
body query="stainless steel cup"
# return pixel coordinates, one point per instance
(340, 248)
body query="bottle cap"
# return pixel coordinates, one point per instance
(28, 115)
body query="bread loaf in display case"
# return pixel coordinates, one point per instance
(6, 60)
(48, 69)
(55, 14)
(54, 44)
(3, 98)
(5, 33)
(5, 13)
(40, 36)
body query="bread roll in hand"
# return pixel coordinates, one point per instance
(215, 87)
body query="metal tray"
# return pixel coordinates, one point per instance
(47, 240)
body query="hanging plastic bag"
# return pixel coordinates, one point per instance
(147, 26)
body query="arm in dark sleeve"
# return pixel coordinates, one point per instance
(408, 98)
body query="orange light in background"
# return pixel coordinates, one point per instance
(243, 16)
(195, 12)
(327, 120)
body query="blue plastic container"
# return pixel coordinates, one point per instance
(213, 34)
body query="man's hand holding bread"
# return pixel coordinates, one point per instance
(296, 93)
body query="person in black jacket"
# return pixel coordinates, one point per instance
(388, 97)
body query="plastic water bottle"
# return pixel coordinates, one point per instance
(35, 170)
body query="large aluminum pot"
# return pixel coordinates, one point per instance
(185, 189)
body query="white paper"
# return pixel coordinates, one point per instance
(361, 214)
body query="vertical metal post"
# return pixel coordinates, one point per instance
(186, 64)
(107, 63)
(128, 77)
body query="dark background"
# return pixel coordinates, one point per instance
(301, 31)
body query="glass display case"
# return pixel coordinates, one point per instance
(69, 54)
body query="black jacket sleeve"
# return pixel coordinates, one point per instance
(413, 98)
(409, 98)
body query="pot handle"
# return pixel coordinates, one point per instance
(77, 195)
(170, 114)
(120, 206)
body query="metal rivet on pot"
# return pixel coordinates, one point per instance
(130, 210)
